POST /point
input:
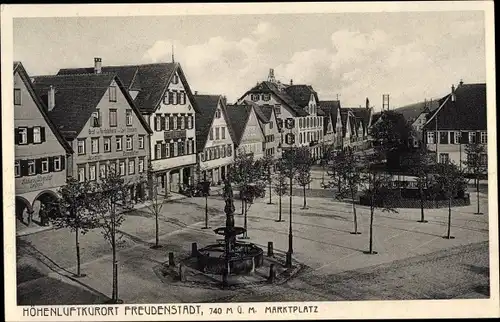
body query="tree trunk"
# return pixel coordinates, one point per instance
(422, 219)
(371, 230)
(206, 210)
(270, 191)
(245, 219)
(305, 204)
(157, 229)
(477, 194)
(77, 252)
(113, 246)
(354, 212)
(449, 218)
(280, 209)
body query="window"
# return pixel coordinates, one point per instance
(211, 134)
(112, 167)
(217, 114)
(266, 97)
(472, 137)
(223, 132)
(102, 171)
(119, 143)
(176, 151)
(180, 147)
(229, 150)
(128, 117)
(190, 121)
(174, 97)
(45, 165)
(129, 142)
(23, 135)
(175, 80)
(131, 166)
(183, 123)
(57, 164)
(81, 173)
(217, 153)
(31, 167)
(92, 172)
(457, 138)
(277, 109)
(141, 165)
(17, 168)
(158, 122)
(271, 124)
(17, 96)
(158, 150)
(112, 118)
(430, 137)
(254, 97)
(122, 168)
(166, 118)
(141, 142)
(96, 119)
(484, 137)
(174, 121)
(167, 150)
(217, 133)
(95, 145)
(183, 97)
(166, 98)
(107, 144)
(444, 157)
(222, 152)
(81, 146)
(483, 159)
(112, 93)
(37, 137)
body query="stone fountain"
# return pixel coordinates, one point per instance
(231, 257)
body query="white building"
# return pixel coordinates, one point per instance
(248, 134)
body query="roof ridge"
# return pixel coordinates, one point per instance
(73, 75)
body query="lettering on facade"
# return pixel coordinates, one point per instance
(131, 129)
(95, 157)
(99, 131)
(130, 153)
(36, 182)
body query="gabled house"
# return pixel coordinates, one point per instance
(214, 138)
(460, 119)
(416, 115)
(164, 98)
(42, 158)
(332, 124)
(99, 119)
(299, 102)
(360, 122)
(248, 133)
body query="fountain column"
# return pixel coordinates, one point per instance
(229, 231)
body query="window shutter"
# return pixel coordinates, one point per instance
(171, 123)
(156, 151)
(179, 98)
(164, 150)
(171, 149)
(478, 137)
(24, 167)
(452, 137)
(42, 134)
(465, 137)
(17, 137)
(179, 122)
(162, 123)
(192, 121)
(63, 162)
(171, 97)
(38, 166)
(30, 135)
(51, 164)
(156, 123)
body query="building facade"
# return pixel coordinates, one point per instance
(41, 154)
(332, 124)
(460, 119)
(99, 119)
(269, 124)
(248, 133)
(163, 96)
(214, 137)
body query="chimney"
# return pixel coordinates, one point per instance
(453, 97)
(51, 98)
(291, 82)
(97, 65)
(367, 103)
(461, 82)
(195, 92)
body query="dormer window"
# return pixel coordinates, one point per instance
(255, 97)
(174, 97)
(277, 109)
(217, 114)
(96, 119)
(165, 98)
(266, 97)
(129, 117)
(112, 93)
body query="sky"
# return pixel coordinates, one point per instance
(411, 56)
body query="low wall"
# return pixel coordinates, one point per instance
(400, 202)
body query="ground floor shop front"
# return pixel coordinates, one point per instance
(173, 180)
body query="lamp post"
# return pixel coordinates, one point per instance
(290, 140)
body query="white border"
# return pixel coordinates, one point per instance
(327, 310)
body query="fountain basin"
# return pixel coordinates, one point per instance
(244, 258)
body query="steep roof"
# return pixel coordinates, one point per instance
(467, 112)
(301, 94)
(330, 108)
(280, 93)
(77, 97)
(207, 105)
(18, 67)
(412, 111)
(361, 113)
(238, 117)
(150, 79)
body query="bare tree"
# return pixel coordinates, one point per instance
(113, 194)
(268, 163)
(451, 181)
(75, 209)
(376, 189)
(422, 166)
(155, 204)
(280, 187)
(303, 164)
(476, 165)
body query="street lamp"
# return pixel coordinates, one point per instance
(290, 140)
